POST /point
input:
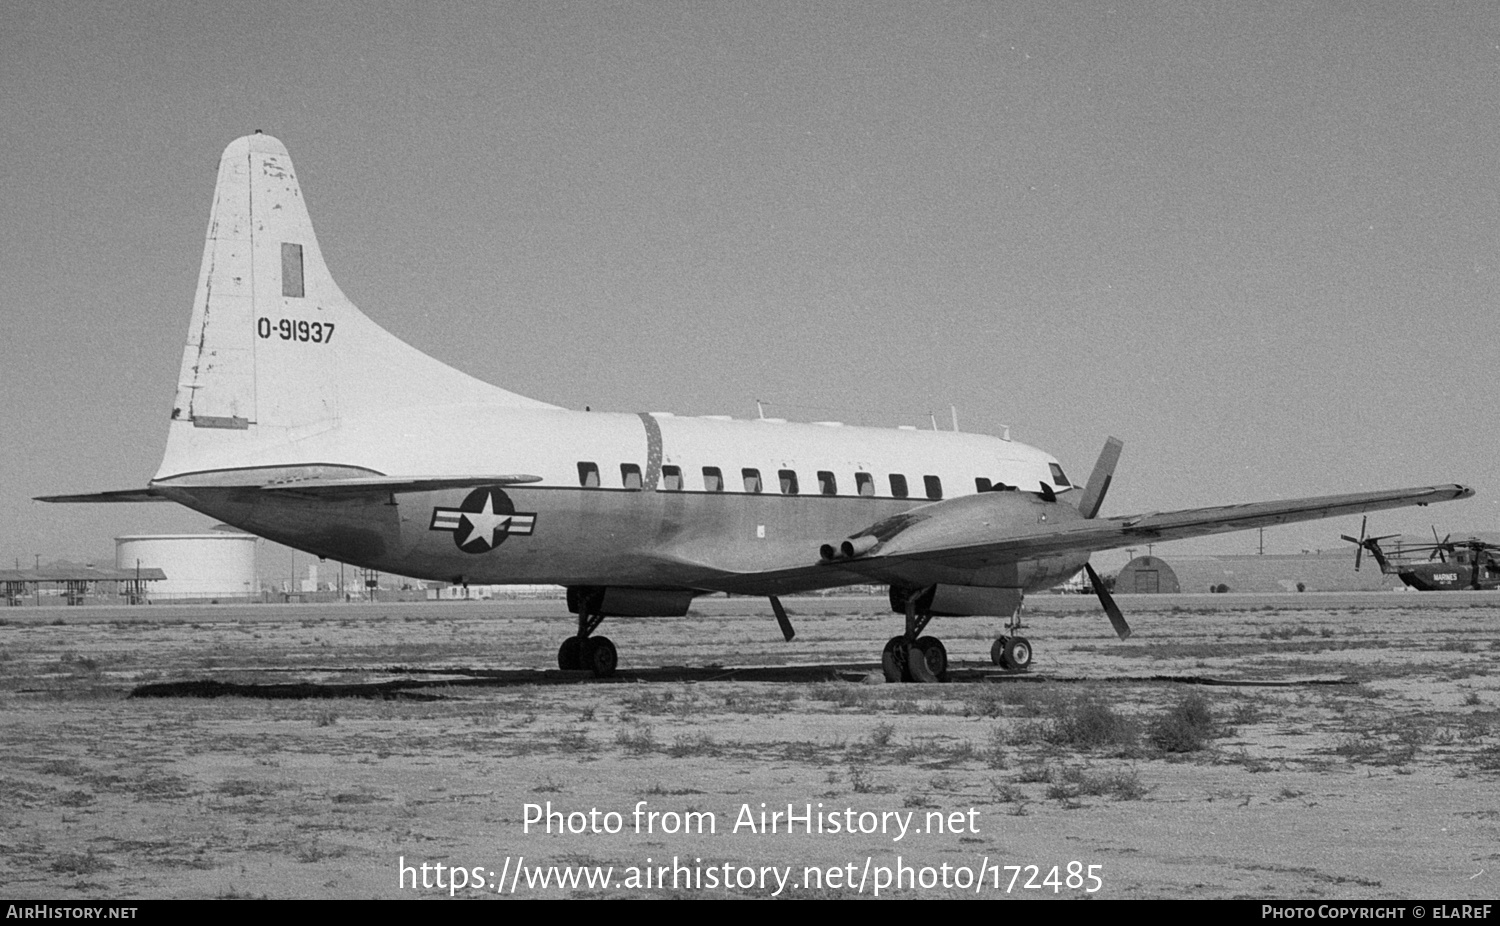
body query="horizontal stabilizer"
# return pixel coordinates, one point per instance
(120, 495)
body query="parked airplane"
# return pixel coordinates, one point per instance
(1450, 565)
(299, 419)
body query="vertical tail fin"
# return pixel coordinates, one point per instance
(275, 350)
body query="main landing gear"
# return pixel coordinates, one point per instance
(584, 651)
(913, 657)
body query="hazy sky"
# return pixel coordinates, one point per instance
(1258, 242)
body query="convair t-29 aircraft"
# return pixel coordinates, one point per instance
(299, 419)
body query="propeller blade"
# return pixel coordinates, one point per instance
(1100, 478)
(1116, 619)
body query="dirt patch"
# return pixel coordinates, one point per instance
(1250, 747)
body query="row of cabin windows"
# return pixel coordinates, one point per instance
(713, 481)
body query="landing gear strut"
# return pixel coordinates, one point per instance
(911, 657)
(584, 651)
(1011, 651)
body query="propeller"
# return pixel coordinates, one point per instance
(1088, 506)
(1107, 601)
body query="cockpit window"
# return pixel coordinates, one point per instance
(1058, 479)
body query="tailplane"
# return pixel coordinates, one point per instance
(275, 350)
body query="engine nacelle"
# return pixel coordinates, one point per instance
(612, 601)
(960, 600)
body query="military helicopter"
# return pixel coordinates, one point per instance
(1451, 565)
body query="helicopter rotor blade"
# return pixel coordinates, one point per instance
(1359, 545)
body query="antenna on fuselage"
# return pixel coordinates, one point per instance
(760, 410)
(954, 410)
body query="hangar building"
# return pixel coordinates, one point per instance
(1310, 572)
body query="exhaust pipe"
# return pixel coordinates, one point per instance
(857, 546)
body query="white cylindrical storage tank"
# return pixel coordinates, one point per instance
(218, 565)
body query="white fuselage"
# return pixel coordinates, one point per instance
(649, 500)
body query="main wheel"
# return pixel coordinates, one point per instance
(599, 655)
(1017, 653)
(997, 650)
(570, 654)
(935, 654)
(893, 660)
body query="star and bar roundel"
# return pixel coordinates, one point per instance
(482, 521)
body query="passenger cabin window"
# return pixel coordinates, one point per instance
(713, 479)
(788, 482)
(630, 475)
(898, 485)
(981, 484)
(752, 480)
(671, 479)
(827, 485)
(865, 483)
(588, 475)
(1058, 479)
(934, 487)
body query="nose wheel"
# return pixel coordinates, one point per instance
(1011, 653)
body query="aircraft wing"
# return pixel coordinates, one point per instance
(119, 495)
(961, 538)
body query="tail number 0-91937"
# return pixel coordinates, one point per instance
(295, 330)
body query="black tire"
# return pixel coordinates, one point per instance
(600, 656)
(997, 651)
(1018, 653)
(893, 661)
(570, 655)
(936, 656)
(917, 669)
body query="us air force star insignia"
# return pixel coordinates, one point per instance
(483, 521)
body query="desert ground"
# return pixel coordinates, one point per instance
(1298, 746)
